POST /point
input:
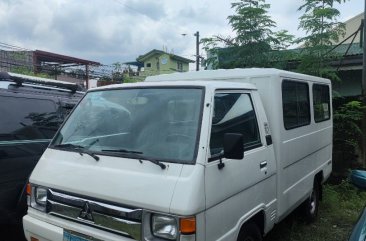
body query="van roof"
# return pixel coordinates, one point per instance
(184, 83)
(223, 78)
(227, 74)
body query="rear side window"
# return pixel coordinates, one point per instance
(321, 102)
(233, 113)
(296, 106)
(27, 118)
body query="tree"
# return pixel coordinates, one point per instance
(322, 30)
(254, 39)
(252, 24)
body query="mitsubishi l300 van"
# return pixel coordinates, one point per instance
(211, 155)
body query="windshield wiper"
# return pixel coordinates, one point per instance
(122, 151)
(81, 149)
(68, 146)
(137, 154)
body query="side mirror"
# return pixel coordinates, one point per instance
(233, 146)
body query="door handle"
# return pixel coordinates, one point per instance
(263, 164)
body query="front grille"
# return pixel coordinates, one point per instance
(120, 220)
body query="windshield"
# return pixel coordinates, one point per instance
(159, 123)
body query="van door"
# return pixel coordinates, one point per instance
(244, 187)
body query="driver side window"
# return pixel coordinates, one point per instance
(233, 113)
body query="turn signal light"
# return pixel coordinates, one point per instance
(29, 190)
(187, 225)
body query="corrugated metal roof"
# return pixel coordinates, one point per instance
(230, 54)
(355, 49)
(45, 56)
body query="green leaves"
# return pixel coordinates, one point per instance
(346, 123)
(282, 40)
(254, 41)
(319, 21)
(251, 22)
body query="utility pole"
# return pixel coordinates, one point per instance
(197, 34)
(87, 76)
(364, 86)
(55, 71)
(364, 55)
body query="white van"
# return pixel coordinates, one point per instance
(209, 155)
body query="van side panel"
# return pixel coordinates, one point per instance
(300, 152)
(305, 151)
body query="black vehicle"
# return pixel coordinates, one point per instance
(31, 111)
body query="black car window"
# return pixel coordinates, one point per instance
(321, 102)
(27, 118)
(296, 104)
(233, 113)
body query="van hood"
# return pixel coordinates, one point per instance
(114, 179)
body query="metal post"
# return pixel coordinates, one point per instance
(55, 71)
(364, 56)
(197, 34)
(364, 87)
(87, 76)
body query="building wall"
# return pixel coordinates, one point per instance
(185, 67)
(351, 26)
(166, 64)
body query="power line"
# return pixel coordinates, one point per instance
(9, 46)
(133, 9)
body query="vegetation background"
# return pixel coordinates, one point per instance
(338, 213)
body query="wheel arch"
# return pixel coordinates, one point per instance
(258, 219)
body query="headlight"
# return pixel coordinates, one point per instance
(164, 227)
(39, 198)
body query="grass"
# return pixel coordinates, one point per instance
(338, 212)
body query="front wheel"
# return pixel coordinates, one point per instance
(250, 232)
(311, 205)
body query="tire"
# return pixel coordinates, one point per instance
(311, 205)
(250, 232)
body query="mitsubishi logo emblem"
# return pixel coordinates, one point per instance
(86, 213)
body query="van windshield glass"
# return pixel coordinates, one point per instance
(158, 123)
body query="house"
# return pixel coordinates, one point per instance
(159, 62)
(350, 67)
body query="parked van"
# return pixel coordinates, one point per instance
(31, 110)
(209, 155)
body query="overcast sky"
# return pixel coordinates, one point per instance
(108, 31)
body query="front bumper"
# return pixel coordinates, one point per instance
(45, 228)
(41, 230)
